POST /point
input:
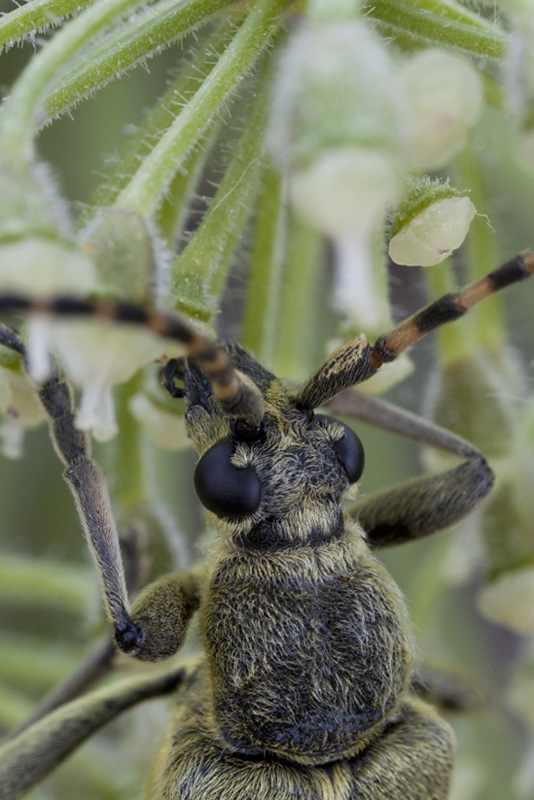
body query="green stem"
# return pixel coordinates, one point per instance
(299, 317)
(158, 28)
(14, 706)
(161, 116)
(264, 281)
(144, 191)
(129, 484)
(43, 582)
(449, 9)
(172, 215)
(23, 104)
(481, 249)
(19, 666)
(200, 271)
(35, 16)
(455, 341)
(414, 27)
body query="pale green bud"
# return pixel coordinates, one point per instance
(336, 90)
(166, 429)
(433, 233)
(389, 375)
(98, 355)
(43, 268)
(346, 190)
(126, 253)
(30, 205)
(19, 405)
(509, 600)
(444, 98)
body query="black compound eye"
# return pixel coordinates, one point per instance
(224, 489)
(349, 450)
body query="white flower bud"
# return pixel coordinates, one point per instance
(388, 375)
(167, 430)
(20, 407)
(433, 234)
(509, 600)
(444, 96)
(98, 355)
(40, 268)
(336, 89)
(346, 190)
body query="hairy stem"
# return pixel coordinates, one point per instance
(34, 16)
(144, 191)
(159, 27)
(19, 112)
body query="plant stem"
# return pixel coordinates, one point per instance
(45, 583)
(414, 27)
(264, 281)
(144, 191)
(19, 666)
(167, 22)
(200, 271)
(18, 114)
(481, 248)
(129, 485)
(162, 115)
(173, 213)
(299, 310)
(449, 9)
(35, 16)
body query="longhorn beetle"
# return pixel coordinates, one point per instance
(306, 685)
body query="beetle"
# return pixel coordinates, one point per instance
(307, 684)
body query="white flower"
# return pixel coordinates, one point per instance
(37, 268)
(99, 354)
(167, 430)
(444, 99)
(344, 194)
(20, 407)
(433, 234)
(509, 600)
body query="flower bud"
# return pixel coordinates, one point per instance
(97, 354)
(39, 267)
(336, 91)
(432, 222)
(509, 600)
(126, 253)
(19, 404)
(30, 205)
(166, 429)
(444, 99)
(345, 190)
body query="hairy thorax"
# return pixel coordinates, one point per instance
(308, 649)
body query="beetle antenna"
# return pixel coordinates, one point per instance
(357, 361)
(237, 395)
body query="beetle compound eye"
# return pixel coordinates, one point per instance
(349, 450)
(224, 489)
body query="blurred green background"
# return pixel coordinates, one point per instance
(45, 633)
